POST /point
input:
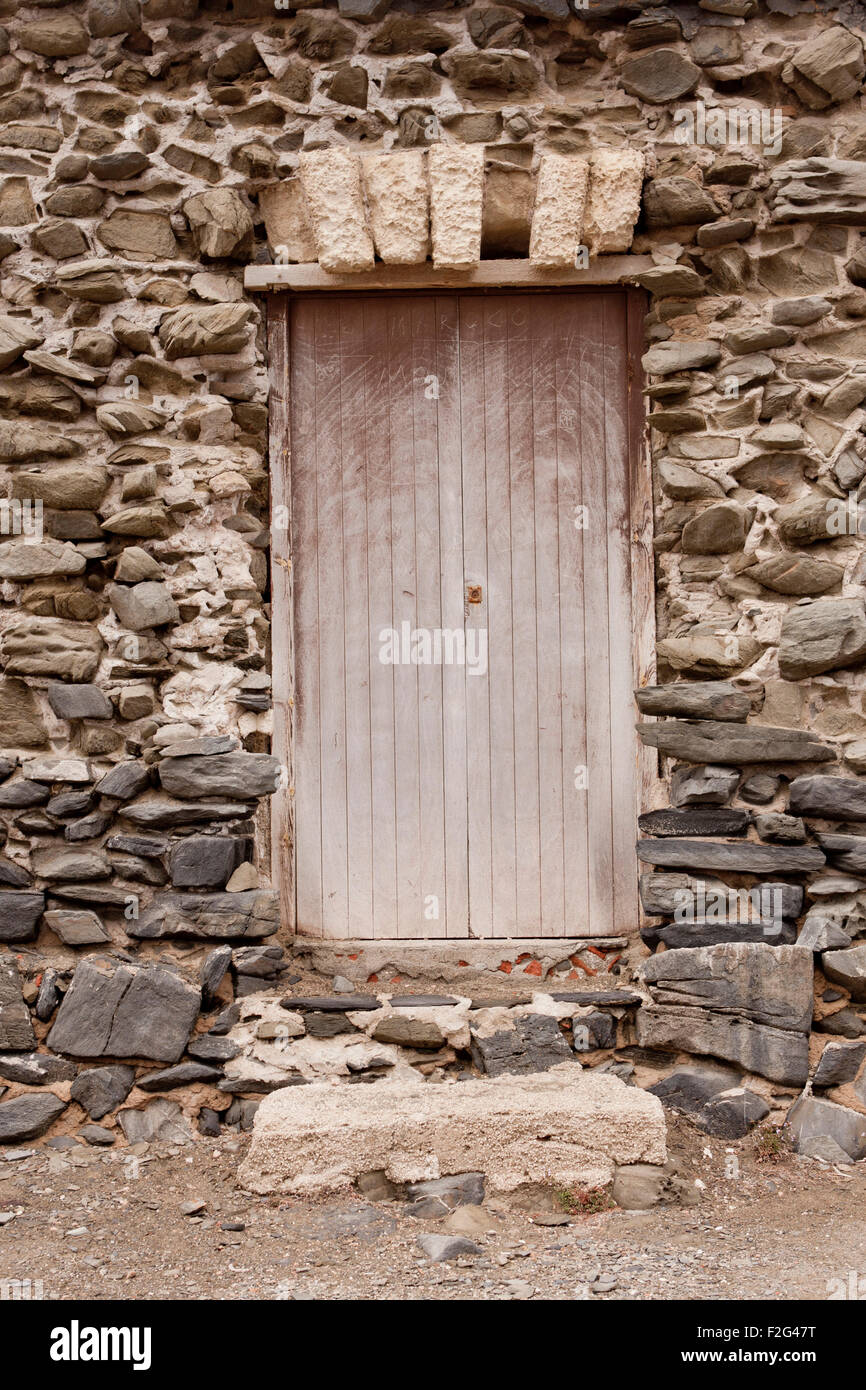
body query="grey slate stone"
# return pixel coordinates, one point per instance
(847, 852)
(204, 861)
(19, 915)
(713, 741)
(66, 805)
(760, 789)
(262, 961)
(200, 747)
(13, 875)
(231, 916)
(704, 932)
(164, 813)
(160, 1120)
(225, 774)
(745, 858)
(207, 1048)
(49, 995)
(441, 1248)
(213, 969)
(101, 1089)
(406, 1031)
(733, 1113)
(810, 1118)
(438, 1197)
(114, 1009)
(18, 795)
(184, 1074)
(65, 865)
(825, 635)
(97, 1136)
(847, 968)
(78, 701)
(689, 1088)
(28, 1116)
(76, 928)
(840, 1062)
(16, 1028)
(718, 700)
(36, 1068)
(143, 846)
(145, 605)
(743, 1003)
(698, 820)
(534, 1043)
(822, 934)
(124, 781)
(834, 798)
(662, 894)
(771, 985)
(703, 786)
(331, 1003)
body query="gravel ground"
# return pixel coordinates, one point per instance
(173, 1224)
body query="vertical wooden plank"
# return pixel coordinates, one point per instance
(518, 387)
(550, 516)
(380, 619)
(476, 541)
(596, 467)
(454, 677)
(650, 792)
(566, 328)
(621, 699)
(499, 606)
(282, 837)
(429, 917)
(359, 802)
(332, 677)
(305, 529)
(404, 581)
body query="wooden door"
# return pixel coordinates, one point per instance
(464, 754)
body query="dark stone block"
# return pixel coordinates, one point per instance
(101, 1089)
(19, 915)
(204, 861)
(330, 1003)
(695, 820)
(534, 1043)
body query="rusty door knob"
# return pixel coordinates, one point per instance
(473, 593)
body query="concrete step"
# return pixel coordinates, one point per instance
(565, 1127)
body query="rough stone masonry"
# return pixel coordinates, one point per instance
(149, 154)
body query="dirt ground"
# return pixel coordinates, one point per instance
(103, 1225)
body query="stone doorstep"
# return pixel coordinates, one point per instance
(559, 1127)
(514, 963)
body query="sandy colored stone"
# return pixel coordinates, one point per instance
(560, 203)
(565, 1127)
(221, 223)
(456, 203)
(331, 181)
(613, 202)
(398, 204)
(287, 221)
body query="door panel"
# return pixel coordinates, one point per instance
(464, 754)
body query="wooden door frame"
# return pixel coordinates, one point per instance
(277, 826)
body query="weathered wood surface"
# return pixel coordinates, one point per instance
(442, 444)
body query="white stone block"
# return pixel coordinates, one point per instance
(557, 219)
(332, 184)
(398, 204)
(456, 203)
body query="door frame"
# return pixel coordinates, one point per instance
(276, 824)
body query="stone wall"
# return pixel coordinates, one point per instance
(149, 153)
